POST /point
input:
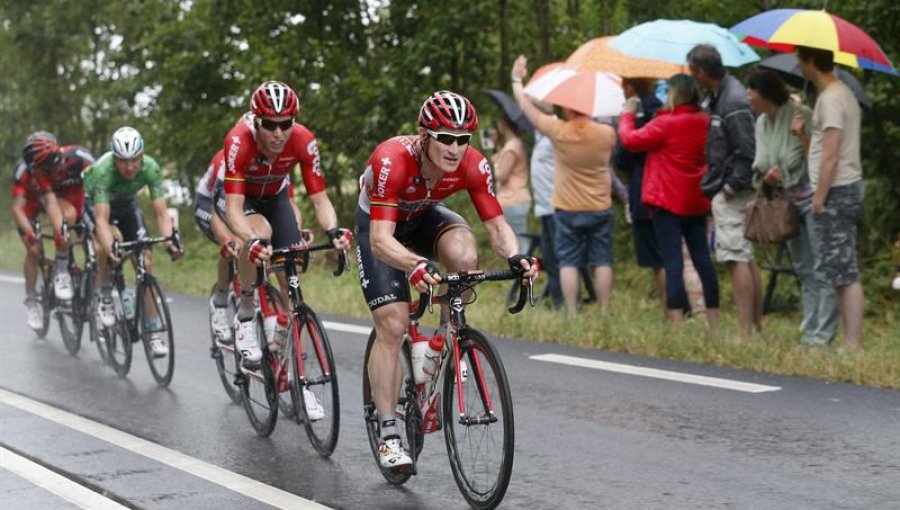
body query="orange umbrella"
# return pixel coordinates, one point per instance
(597, 55)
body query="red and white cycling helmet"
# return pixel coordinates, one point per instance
(41, 150)
(274, 99)
(448, 110)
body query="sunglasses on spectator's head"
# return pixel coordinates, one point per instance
(449, 138)
(272, 125)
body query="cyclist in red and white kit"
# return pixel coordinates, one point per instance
(48, 179)
(401, 226)
(258, 156)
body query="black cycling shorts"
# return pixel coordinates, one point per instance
(382, 284)
(276, 210)
(126, 214)
(203, 215)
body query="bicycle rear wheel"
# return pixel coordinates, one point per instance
(224, 361)
(480, 438)
(260, 395)
(44, 294)
(319, 379)
(152, 302)
(70, 315)
(407, 412)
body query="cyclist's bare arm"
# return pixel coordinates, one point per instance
(389, 249)
(234, 215)
(504, 242)
(18, 210)
(164, 223)
(104, 231)
(324, 210)
(297, 214)
(54, 213)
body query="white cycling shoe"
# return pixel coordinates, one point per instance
(247, 342)
(106, 311)
(35, 314)
(391, 454)
(314, 409)
(62, 286)
(157, 346)
(220, 323)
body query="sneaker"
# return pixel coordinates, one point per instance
(247, 343)
(106, 311)
(392, 455)
(35, 314)
(220, 323)
(314, 409)
(157, 346)
(62, 285)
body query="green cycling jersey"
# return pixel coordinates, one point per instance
(103, 183)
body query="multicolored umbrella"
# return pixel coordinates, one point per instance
(784, 29)
(598, 55)
(671, 40)
(593, 94)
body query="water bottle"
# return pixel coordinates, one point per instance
(418, 359)
(128, 302)
(432, 356)
(269, 322)
(117, 303)
(279, 333)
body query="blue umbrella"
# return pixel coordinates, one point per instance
(671, 40)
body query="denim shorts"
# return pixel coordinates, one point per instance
(584, 238)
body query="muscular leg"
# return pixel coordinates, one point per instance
(29, 269)
(223, 270)
(384, 370)
(70, 217)
(261, 230)
(456, 251)
(102, 260)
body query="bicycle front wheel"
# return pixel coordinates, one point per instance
(478, 422)
(44, 290)
(151, 303)
(260, 394)
(224, 362)
(118, 346)
(316, 390)
(70, 316)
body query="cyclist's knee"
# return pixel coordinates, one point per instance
(457, 250)
(390, 323)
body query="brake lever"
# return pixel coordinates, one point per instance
(430, 301)
(342, 263)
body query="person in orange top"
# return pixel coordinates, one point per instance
(582, 193)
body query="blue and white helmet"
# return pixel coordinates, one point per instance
(127, 143)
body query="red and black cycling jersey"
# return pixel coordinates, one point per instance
(214, 176)
(393, 189)
(64, 180)
(247, 172)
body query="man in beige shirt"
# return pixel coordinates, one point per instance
(581, 195)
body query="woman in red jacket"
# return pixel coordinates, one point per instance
(675, 145)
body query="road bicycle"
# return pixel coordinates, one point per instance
(134, 320)
(468, 395)
(73, 314)
(303, 367)
(43, 287)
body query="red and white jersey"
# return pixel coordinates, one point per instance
(23, 185)
(393, 188)
(247, 172)
(214, 176)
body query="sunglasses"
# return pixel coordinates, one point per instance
(449, 138)
(272, 125)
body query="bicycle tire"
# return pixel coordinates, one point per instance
(119, 346)
(70, 319)
(162, 368)
(44, 295)
(482, 476)
(95, 329)
(285, 400)
(320, 379)
(260, 396)
(411, 431)
(226, 370)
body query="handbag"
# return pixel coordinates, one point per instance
(771, 218)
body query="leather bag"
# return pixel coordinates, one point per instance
(771, 218)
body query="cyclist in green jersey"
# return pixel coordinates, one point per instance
(112, 185)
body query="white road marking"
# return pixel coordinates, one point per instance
(11, 279)
(196, 467)
(347, 328)
(656, 373)
(57, 484)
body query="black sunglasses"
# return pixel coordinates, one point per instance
(448, 138)
(272, 125)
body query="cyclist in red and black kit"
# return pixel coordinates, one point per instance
(48, 179)
(258, 156)
(402, 226)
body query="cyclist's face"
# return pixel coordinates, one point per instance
(446, 157)
(128, 168)
(274, 132)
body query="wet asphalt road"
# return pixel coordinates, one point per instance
(584, 438)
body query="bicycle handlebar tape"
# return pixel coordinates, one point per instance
(422, 268)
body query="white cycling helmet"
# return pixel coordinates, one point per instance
(127, 143)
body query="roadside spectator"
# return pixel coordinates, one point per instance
(511, 171)
(542, 162)
(729, 179)
(646, 248)
(835, 174)
(581, 194)
(781, 162)
(674, 142)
